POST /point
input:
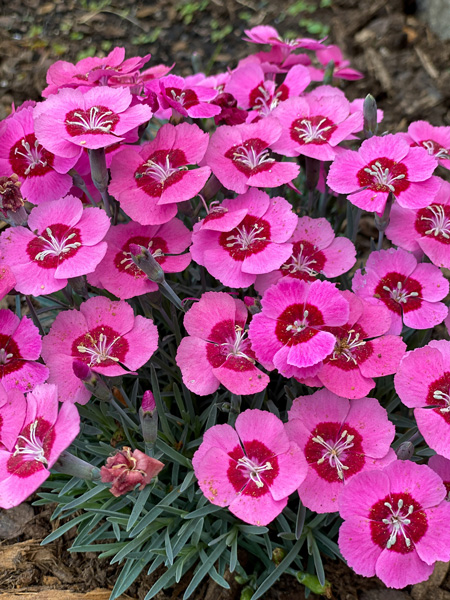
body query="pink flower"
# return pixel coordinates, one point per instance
(35, 437)
(356, 358)
(252, 470)
(20, 347)
(71, 120)
(339, 438)
(426, 229)
(238, 156)
(409, 290)
(265, 34)
(435, 140)
(289, 334)
(244, 237)
(423, 383)
(128, 469)
(66, 243)
(42, 174)
(105, 335)
(149, 183)
(7, 281)
(326, 54)
(381, 166)
(185, 98)
(117, 272)
(315, 250)
(313, 125)
(396, 523)
(441, 466)
(217, 350)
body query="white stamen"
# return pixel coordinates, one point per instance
(254, 469)
(250, 158)
(440, 224)
(33, 446)
(160, 172)
(382, 176)
(99, 351)
(334, 451)
(245, 238)
(32, 155)
(300, 263)
(4, 356)
(442, 153)
(298, 326)
(235, 345)
(94, 122)
(397, 523)
(398, 294)
(346, 347)
(56, 247)
(310, 132)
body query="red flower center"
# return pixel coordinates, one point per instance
(435, 149)
(123, 262)
(434, 220)
(312, 130)
(32, 449)
(95, 120)
(298, 323)
(397, 523)
(100, 347)
(187, 98)
(306, 262)
(162, 169)
(250, 237)
(384, 175)
(251, 157)
(252, 473)
(399, 292)
(29, 159)
(10, 357)
(335, 451)
(351, 349)
(55, 245)
(230, 347)
(439, 396)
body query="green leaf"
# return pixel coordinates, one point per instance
(161, 407)
(155, 511)
(54, 535)
(204, 510)
(203, 569)
(138, 507)
(173, 454)
(95, 491)
(318, 565)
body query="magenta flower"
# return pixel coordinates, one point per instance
(265, 34)
(409, 290)
(252, 470)
(381, 166)
(356, 358)
(426, 229)
(246, 236)
(339, 438)
(342, 69)
(313, 125)
(423, 383)
(289, 334)
(103, 334)
(187, 99)
(118, 274)
(435, 140)
(71, 120)
(20, 348)
(149, 183)
(217, 350)
(441, 466)
(42, 174)
(315, 250)
(239, 156)
(396, 523)
(35, 436)
(66, 243)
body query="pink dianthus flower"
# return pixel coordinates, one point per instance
(289, 334)
(441, 466)
(244, 237)
(396, 523)
(342, 69)
(381, 166)
(103, 334)
(66, 243)
(35, 436)
(217, 350)
(435, 140)
(252, 470)
(410, 290)
(339, 438)
(185, 98)
(265, 34)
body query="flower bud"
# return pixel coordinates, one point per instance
(148, 416)
(143, 259)
(72, 465)
(92, 382)
(277, 555)
(148, 402)
(127, 469)
(405, 451)
(313, 583)
(370, 116)
(99, 171)
(211, 187)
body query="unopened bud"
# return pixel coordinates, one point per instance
(370, 116)
(92, 382)
(210, 189)
(99, 171)
(278, 554)
(253, 304)
(72, 465)
(143, 259)
(313, 583)
(382, 222)
(405, 451)
(148, 402)
(148, 416)
(247, 593)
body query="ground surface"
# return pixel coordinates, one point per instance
(407, 70)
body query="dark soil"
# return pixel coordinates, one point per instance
(406, 69)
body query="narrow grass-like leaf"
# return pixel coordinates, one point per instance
(54, 535)
(173, 454)
(203, 569)
(203, 511)
(318, 565)
(300, 520)
(161, 407)
(138, 507)
(168, 547)
(98, 489)
(155, 511)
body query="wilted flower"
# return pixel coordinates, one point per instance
(127, 469)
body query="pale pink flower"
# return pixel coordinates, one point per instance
(35, 437)
(411, 291)
(66, 243)
(217, 350)
(117, 272)
(339, 438)
(105, 335)
(252, 470)
(244, 237)
(396, 523)
(385, 165)
(289, 334)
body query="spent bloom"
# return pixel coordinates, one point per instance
(244, 237)
(20, 348)
(435, 140)
(422, 382)
(217, 350)
(105, 335)
(148, 183)
(117, 272)
(426, 229)
(411, 291)
(315, 251)
(290, 333)
(395, 523)
(252, 469)
(339, 438)
(62, 240)
(34, 437)
(385, 165)
(127, 469)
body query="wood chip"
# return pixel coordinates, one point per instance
(49, 594)
(379, 71)
(426, 63)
